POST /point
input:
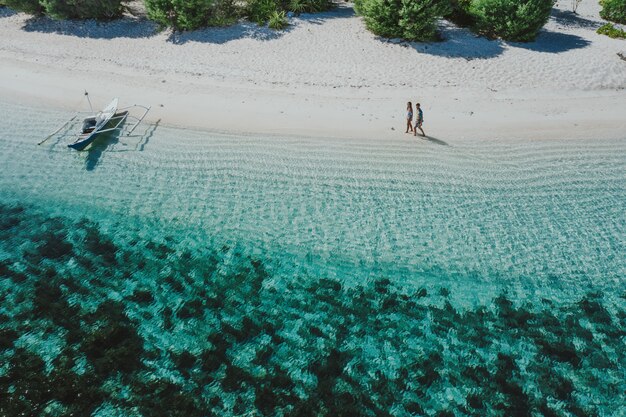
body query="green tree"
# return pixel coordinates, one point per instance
(26, 6)
(260, 11)
(381, 16)
(418, 19)
(408, 19)
(459, 12)
(308, 6)
(83, 9)
(70, 9)
(190, 14)
(513, 20)
(613, 10)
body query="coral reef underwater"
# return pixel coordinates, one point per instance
(104, 324)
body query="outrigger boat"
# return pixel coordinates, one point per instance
(93, 126)
(108, 120)
(111, 119)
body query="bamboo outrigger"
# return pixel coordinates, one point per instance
(110, 119)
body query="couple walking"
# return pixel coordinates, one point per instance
(419, 118)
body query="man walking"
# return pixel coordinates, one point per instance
(419, 119)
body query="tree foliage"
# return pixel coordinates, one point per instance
(613, 10)
(459, 12)
(260, 11)
(26, 6)
(418, 19)
(381, 16)
(307, 6)
(194, 14)
(70, 9)
(513, 20)
(83, 9)
(408, 19)
(180, 14)
(611, 31)
(278, 20)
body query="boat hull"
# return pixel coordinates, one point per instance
(83, 142)
(86, 139)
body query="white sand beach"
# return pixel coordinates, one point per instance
(327, 76)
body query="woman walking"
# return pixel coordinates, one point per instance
(409, 117)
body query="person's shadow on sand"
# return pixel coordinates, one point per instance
(433, 140)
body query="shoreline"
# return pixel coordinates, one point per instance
(312, 99)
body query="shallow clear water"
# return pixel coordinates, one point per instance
(295, 276)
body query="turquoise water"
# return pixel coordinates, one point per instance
(190, 273)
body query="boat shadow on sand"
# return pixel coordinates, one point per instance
(110, 142)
